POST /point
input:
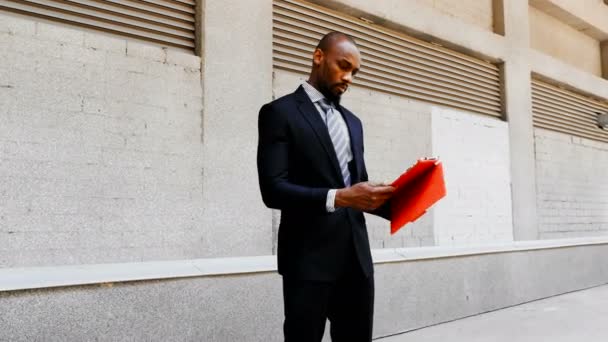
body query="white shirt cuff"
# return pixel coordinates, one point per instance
(330, 203)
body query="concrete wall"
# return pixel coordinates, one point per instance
(419, 20)
(555, 38)
(82, 182)
(111, 152)
(474, 150)
(425, 287)
(237, 73)
(199, 309)
(184, 181)
(474, 12)
(587, 16)
(100, 147)
(572, 185)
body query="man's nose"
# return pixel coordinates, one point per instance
(347, 77)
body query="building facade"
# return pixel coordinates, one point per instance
(129, 203)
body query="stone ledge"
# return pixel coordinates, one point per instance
(15, 279)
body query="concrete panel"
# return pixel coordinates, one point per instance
(100, 148)
(474, 12)
(237, 73)
(410, 294)
(575, 316)
(573, 47)
(587, 16)
(236, 308)
(425, 293)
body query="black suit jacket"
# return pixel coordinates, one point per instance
(297, 166)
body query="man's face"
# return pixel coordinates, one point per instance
(337, 68)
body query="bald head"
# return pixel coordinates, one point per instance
(332, 38)
(336, 61)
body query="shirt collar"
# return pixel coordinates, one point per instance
(312, 92)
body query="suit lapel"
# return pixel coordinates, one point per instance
(311, 114)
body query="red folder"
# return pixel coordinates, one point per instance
(417, 189)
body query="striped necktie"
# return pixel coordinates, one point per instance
(338, 138)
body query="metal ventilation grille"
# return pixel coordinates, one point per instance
(392, 62)
(166, 22)
(567, 112)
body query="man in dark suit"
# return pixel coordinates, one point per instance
(311, 167)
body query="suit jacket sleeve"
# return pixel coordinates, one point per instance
(273, 166)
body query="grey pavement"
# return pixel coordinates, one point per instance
(580, 316)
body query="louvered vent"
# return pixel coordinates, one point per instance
(392, 62)
(170, 23)
(565, 111)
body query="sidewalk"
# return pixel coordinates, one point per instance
(580, 316)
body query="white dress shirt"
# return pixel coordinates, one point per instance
(316, 96)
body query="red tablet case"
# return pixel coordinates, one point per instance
(417, 189)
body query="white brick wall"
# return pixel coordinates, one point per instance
(474, 150)
(100, 148)
(572, 185)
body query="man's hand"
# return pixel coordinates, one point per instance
(363, 196)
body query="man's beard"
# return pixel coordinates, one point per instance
(331, 97)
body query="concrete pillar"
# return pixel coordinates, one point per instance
(199, 27)
(236, 51)
(498, 21)
(604, 52)
(518, 111)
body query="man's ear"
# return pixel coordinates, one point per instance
(317, 57)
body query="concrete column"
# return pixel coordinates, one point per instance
(236, 51)
(518, 111)
(604, 52)
(498, 21)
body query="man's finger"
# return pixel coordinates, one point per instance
(383, 189)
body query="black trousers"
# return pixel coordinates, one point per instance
(348, 303)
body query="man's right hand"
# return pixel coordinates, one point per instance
(363, 196)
